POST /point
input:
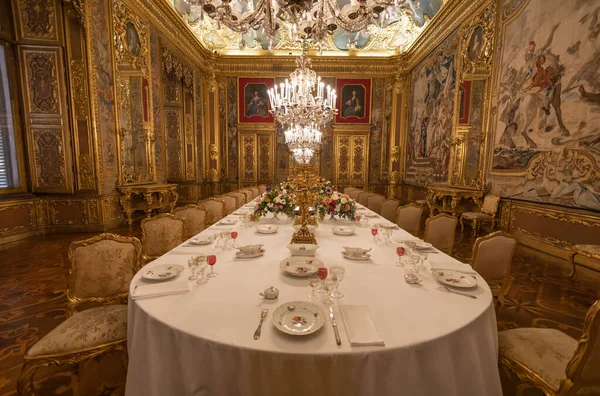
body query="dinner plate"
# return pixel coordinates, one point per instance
(227, 222)
(423, 245)
(162, 272)
(300, 266)
(266, 228)
(298, 318)
(455, 279)
(371, 214)
(341, 230)
(364, 257)
(243, 255)
(203, 240)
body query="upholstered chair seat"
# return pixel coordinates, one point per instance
(388, 209)
(408, 218)
(160, 234)
(553, 361)
(230, 203)
(491, 258)
(355, 193)
(374, 202)
(486, 214)
(87, 329)
(440, 231)
(215, 210)
(194, 218)
(363, 197)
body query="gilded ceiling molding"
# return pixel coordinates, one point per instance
(452, 14)
(165, 19)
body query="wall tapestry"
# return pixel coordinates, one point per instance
(353, 101)
(433, 84)
(546, 142)
(253, 99)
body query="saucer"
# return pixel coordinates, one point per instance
(249, 255)
(227, 222)
(266, 228)
(341, 230)
(364, 257)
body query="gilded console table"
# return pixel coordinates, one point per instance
(445, 199)
(147, 197)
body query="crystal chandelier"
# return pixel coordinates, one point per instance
(313, 20)
(302, 155)
(303, 142)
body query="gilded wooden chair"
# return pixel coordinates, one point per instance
(255, 192)
(553, 361)
(194, 218)
(408, 217)
(160, 234)
(215, 209)
(355, 193)
(348, 190)
(388, 210)
(247, 195)
(440, 231)
(491, 258)
(374, 202)
(231, 202)
(240, 198)
(262, 188)
(486, 214)
(101, 269)
(363, 197)
(589, 251)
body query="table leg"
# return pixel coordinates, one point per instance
(175, 197)
(149, 200)
(462, 225)
(453, 204)
(125, 201)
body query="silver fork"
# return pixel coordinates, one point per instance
(452, 291)
(263, 315)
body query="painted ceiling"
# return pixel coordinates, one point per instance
(396, 38)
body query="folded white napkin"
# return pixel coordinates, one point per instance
(447, 263)
(360, 326)
(160, 289)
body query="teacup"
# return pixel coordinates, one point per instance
(250, 249)
(270, 293)
(353, 251)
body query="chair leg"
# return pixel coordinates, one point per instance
(572, 262)
(475, 224)
(462, 225)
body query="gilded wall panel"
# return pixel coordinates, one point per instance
(16, 217)
(174, 163)
(49, 159)
(248, 157)
(68, 212)
(189, 138)
(38, 20)
(282, 156)
(199, 128)
(232, 129)
(379, 131)
(265, 158)
(545, 145)
(111, 210)
(42, 81)
(156, 71)
(352, 153)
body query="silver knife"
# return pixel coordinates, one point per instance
(263, 315)
(335, 328)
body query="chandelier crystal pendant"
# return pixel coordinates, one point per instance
(307, 19)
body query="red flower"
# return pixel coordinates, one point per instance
(331, 208)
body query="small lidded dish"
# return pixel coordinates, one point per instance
(303, 249)
(271, 293)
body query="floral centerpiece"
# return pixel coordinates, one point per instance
(274, 201)
(335, 204)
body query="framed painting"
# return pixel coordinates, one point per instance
(253, 100)
(464, 101)
(353, 101)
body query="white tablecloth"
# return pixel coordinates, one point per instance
(201, 342)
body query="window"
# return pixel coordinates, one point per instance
(9, 168)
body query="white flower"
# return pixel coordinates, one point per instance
(277, 200)
(270, 205)
(344, 200)
(335, 197)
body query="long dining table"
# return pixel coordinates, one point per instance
(201, 342)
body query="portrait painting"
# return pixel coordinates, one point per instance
(546, 132)
(353, 101)
(475, 44)
(253, 100)
(132, 38)
(431, 109)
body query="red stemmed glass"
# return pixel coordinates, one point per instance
(322, 272)
(374, 233)
(211, 260)
(357, 217)
(400, 250)
(234, 235)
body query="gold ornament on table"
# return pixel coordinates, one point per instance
(304, 181)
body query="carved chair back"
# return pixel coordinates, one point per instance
(408, 217)
(194, 218)
(440, 230)
(160, 234)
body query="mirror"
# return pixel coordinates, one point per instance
(133, 97)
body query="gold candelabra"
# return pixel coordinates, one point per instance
(305, 183)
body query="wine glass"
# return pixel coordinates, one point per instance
(225, 237)
(387, 232)
(193, 264)
(202, 264)
(337, 272)
(212, 260)
(414, 260)
(328, 287)
(234, 235)
(400, 251)
(313, 281)
(422, 258)
(358, 217)
(374, 232)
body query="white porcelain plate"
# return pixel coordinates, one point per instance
(228, 222)
(249, 255)
(371, 214)
(364, 257)
(201, 240)
(298, 318)
(266, 228)
(300, 266)
(342, 230)
(162, 272)
(455, 279)
(423, 245)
